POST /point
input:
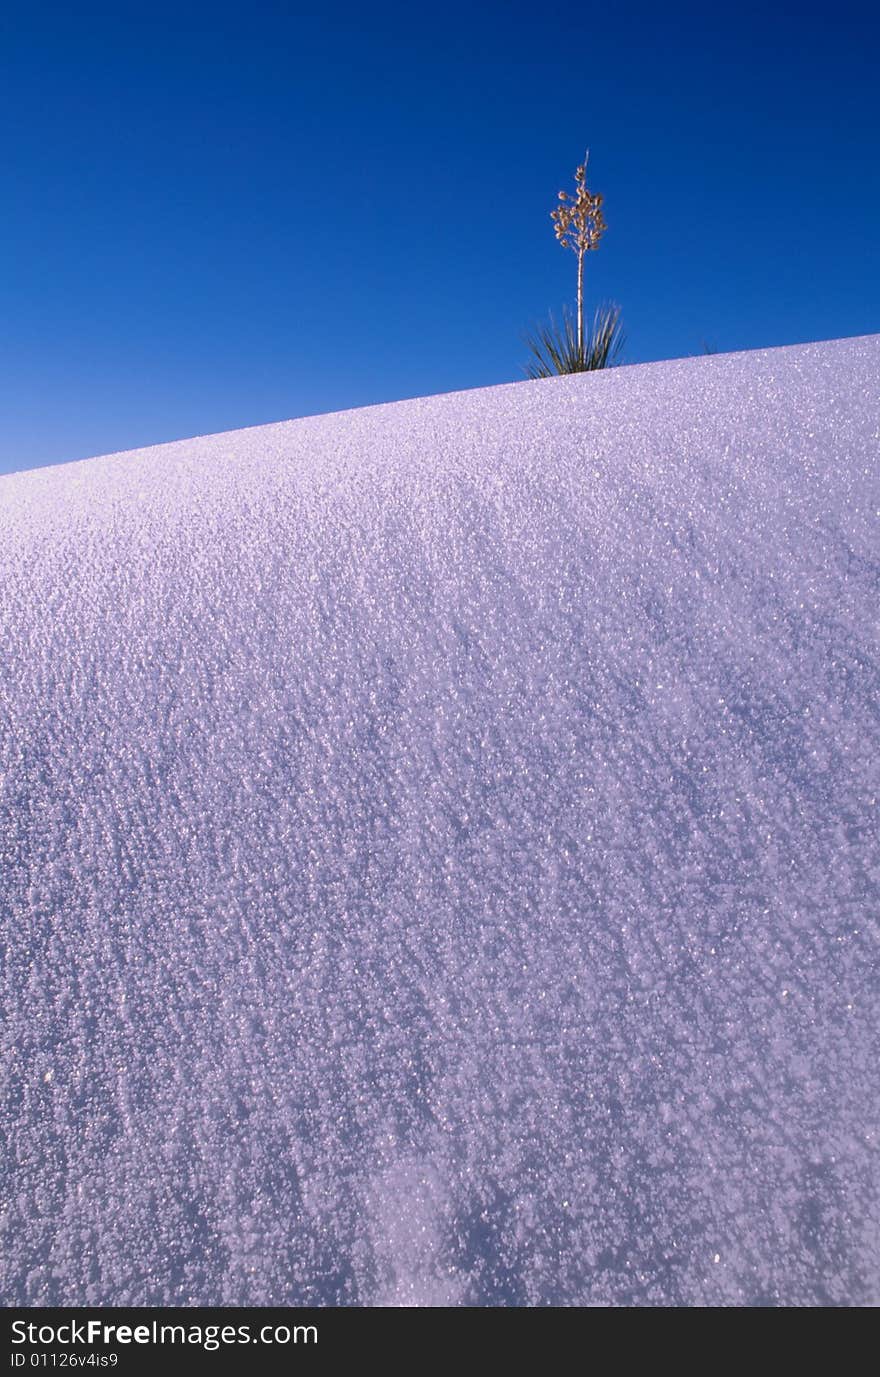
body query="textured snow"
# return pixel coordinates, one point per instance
(438, 851)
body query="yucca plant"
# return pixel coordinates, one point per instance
(579, 224)
(565, 349)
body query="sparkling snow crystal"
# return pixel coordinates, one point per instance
(438, 851)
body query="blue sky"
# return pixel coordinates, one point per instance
(220, 215)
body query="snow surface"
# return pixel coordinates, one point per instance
(439, 851)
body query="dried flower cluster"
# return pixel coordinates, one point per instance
(579, 221)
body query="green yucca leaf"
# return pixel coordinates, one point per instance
(554, 348)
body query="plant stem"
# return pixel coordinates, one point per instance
(581, 302)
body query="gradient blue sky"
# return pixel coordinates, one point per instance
(220, 215)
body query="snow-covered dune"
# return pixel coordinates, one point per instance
(439, 851)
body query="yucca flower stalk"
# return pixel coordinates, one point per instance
(580, 224)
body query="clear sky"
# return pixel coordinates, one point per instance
(217, 215)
